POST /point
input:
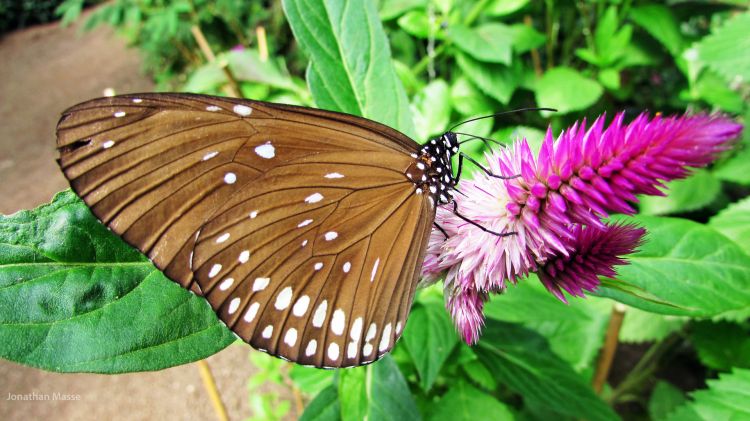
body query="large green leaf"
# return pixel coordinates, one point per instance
(76, 298)
(640, 326)
(725, 50)
(429, 337)
(522, 359)
(376, 392)
(664, 399)
(683, 268)
(431, 109)
(489, 42)
(566, 90)
(726, 399)
(350, 60)
(659, 21)
(734, 222)
(722, 345)
(496, 80)
(325, 406)
(694, 192)
(575, 331)
(464, 402)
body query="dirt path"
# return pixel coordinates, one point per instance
(43, 70)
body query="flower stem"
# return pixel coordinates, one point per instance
(610, 346)
(213, 391)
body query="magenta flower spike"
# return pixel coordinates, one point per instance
(556, 204)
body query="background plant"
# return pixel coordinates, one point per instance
(683, 334)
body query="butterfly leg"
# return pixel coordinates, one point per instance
(441, 229)
(455, 212)
(462, 155)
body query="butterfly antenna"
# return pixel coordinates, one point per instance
(503, 113)
(484, 139)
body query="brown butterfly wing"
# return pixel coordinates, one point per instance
(165, 170)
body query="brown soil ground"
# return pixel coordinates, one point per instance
(43, 70)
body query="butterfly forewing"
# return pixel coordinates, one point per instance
(299, 225)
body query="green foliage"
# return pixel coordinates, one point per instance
(75, 298)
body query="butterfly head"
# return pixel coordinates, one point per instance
(432, 172)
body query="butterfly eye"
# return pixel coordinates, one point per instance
(304, 229)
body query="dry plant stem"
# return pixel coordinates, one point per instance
(534, 53)
(610, 346)
(232, 88)
(260, 34)
(212, 390)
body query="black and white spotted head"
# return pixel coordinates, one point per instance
(432, 172)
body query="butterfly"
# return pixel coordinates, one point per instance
(304, 229)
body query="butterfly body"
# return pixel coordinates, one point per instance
(304, 229)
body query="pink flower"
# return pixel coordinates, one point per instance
(556, 204)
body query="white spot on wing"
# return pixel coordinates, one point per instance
(334, 175)
(209, 155)
(251, 312)
(385, 340)
(367, 350)
(120, 114)
(304, 243)
(300, 307)
(291, 337)
(333, 351)
(314, 198)
(398, 328)
(212, 108)
(351, 351)
(284, 298)
(260, 284)
(371, 331)
(304, 223)
(311, 347)
(320, 314)
(230, 178)
(347, 267)
(108, 144)
(268, 331)
(226, 284)
(234, 305)
(137, 100)
(318, 266)
(338, 322)
(331, 235)
(244, 256)
(242, 110)
(222, 238)
(266, 151)
(253, 214)
(214, 270)
(374, 269)
(356, 330)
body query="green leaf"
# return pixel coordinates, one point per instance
(734, 222)
(725, 50)
(418, 24)
(736, 169)
(727, 398)
(526, 38)
(640, 326)
(75, 298)
(495, 80)
(246, 65)
(505, 7)
(665, 398)
(431, 109)
(683, 268)
(490, 42)
(522, 359)
(575, 331)
(467, 99)
(464, 402)
(566, 90)
(713, 89)
(660, 22)
(376, 392)
(310, 380)
(391, 9)
(692, 193)
(350, 60)
(722, 345)
(325, 406)
(478, 373)
(205, 79)
(429, 337)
